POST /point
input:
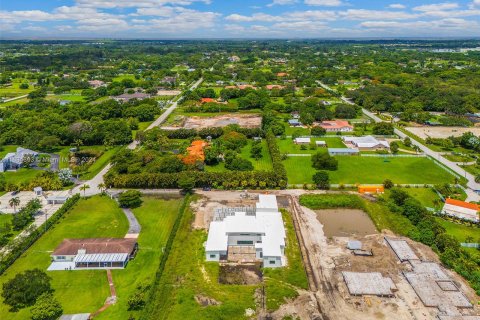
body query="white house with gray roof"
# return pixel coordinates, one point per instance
(14, 160)
(260, 228)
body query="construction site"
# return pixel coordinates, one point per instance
(243, 120)
(359, 273)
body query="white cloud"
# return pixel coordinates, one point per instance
(281, 3)
(324, 3)
(397, 6)
(254, 17)
(438, 27)
(363, 14)
(135, 4)
(437, 7)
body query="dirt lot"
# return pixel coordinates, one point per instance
(441, 132)
(243, 120)
(325, 259)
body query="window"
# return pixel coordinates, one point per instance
(271, 262)
(213, 256)
(261, 254)
(245, 242)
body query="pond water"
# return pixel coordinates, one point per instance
(345, 222)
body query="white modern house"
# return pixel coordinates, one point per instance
(259, 229)
(367, 143)
(14, 160)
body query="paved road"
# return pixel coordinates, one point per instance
(98, 179)
(473, 187)
(15, 98)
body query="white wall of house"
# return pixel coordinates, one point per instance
(272, 262)
(63, 258)
(214, 255)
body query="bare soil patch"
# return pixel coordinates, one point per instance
(243, 120)
(441, 132)
(345, 222)
(240, 274)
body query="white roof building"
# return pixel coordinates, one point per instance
(261, 229)
(302, 140)
(367, 142)
(462, 210)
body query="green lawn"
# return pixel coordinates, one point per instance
(460, 231)
(426, 196)
(21, 175)
(288, 146)
(121, 77)
(473, 169)
(68, 97)
(77, 291)
(354, 169)
(14, 90)
(156, 227)
(264, 163)
(7, 149)
(100, 163)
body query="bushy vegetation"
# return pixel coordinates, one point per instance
(329, 201)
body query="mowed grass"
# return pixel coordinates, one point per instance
(426, 196)
(460, 231)
(187, 274)
(22, 175)
(67, 97)
(7, 149)
(77, 291)
(156, 216)
(355, 169)
(100, 163)
(264, 163)
(288, 146)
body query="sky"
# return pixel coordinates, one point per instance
(180, 19)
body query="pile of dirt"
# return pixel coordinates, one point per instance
(240, 274)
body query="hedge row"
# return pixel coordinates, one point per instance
(276, 156)
(16, 249)
(213, 132)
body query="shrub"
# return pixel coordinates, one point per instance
(46, 308)
(322, 180)
(130, 199)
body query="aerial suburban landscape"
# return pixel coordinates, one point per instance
(155, 170)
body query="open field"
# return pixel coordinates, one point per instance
(353, 169)
(460, 231)
(100, 163)
(288, 146)
(426, 196)
(21, 175)
(198, 122)
(156, 227)
(77, 291)
(67, 97)
(441, 132)
(264, 163)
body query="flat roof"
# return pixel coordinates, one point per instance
(347, 150)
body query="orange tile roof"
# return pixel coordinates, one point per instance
(364, 189)
(463, 204)
(274, 86)
(335, 124)
(205, 100)
(282, 74)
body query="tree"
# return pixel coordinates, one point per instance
(14, 202)
(345, 111)
(407, 141)
(383, 128)
(102, 187)
(24, 289)
(318, 131)
(130, 199)
(477, 178)
(24, 86)
(322, 180)
(256, 151)
(84, 188)
(398, 196)
(394, 147)
(388, 184)
(323, 161)
(46, 308)
(186, 183)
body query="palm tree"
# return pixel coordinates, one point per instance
(477, 178)
(84, 188)
(14, 202)
(102, 187)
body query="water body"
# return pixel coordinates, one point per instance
(345, 222)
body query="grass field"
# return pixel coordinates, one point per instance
(68, 97)
(121, 77)
(156, 227)
(426, 196)
(460, 231)
(14, 90)
(7, 149)
(100, 163)
(473, 169)
(77, 291)
(353, 169)
(288, 146)
(21, 175)
(264, 163)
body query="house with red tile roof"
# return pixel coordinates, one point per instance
(336, 126)
(462, 210)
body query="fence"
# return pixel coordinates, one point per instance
(379, 155)
(441, 165)
(470, 245)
